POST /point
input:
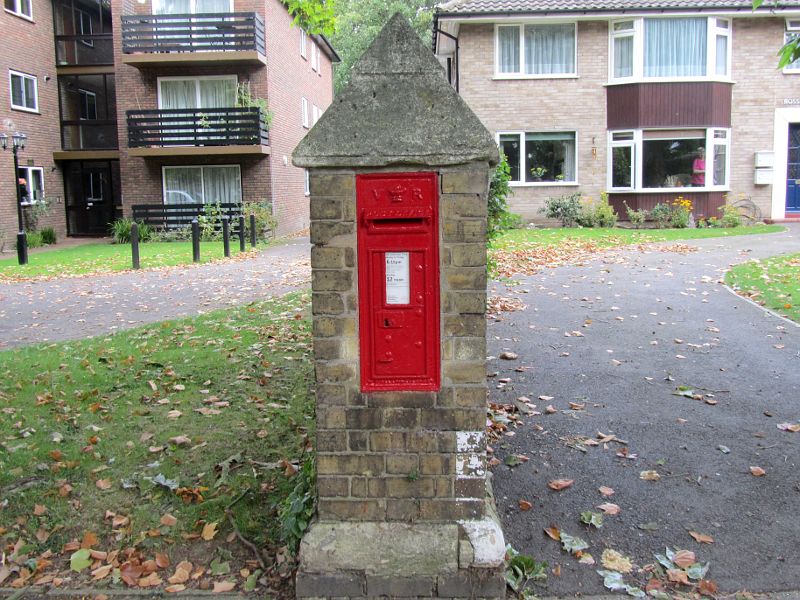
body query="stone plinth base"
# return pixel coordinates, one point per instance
(402, 560)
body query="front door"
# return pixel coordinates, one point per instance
(90, 193)
(793, 170)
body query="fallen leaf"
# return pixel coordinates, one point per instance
(39, 510)
(173, 589)
(525, 505)
(702, 538)
(80, 560)
(677, 576)
(89, 540)
(611, 559)
(102, 572)
(684, 558)
(509, 356)
(553, 533)
(180, 440)
(649, 475)
(757, 471)
(209, 531)
(707, 587)
(162, 560)
(606, 491)
(572, 544)
(182, 573)
(550, 409)
(168, 520)
(793, 427)
(103, 484)
(174, 414)
(152, 580)
(223, 586)
(560, 484)
(592, 518)
(609, 508)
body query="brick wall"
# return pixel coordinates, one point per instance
(34, 55)
(291, 78)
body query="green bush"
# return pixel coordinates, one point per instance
(500, 218)
(730, 216)
(210, 223)
(661, 214)
(121, 231)
(566, 209)
(179, 234)
(679, 219)
(48, 236)
(296, 511)
(35, 239)
(636, 217)
(266, 223)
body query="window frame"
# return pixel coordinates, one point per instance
(522, 156)
(303, 44)
(202, 183)
(791, 31)
(18, 11)
(81, 14)
(14, 73)
(197, 79)
(306, 182)
(712, 31)
(498, 74)
(28, 170)
(637, 160)
(314, 56)
(85, 95)
(304, 109)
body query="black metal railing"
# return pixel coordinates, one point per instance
(84, 50)
(197, 127)
(179, 216)
(206, 32)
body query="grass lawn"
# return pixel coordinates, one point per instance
(107, 258)
(609, 237)
(100, 439)
(772, 282)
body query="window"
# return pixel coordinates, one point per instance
(23, 91)
(669, 48)
(306, 182)
(21, 8)
(93, 186)
(535, 50)
(197, 92)
(34, 184)
(180, 7)
(83, 21)
(88, 105)
(792, 32)
(303, 43)
(202, 185)
(317, 114)
(304, 108)
(669, 159)
(540, 157)
(314, 57)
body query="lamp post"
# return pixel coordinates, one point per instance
(17, 144)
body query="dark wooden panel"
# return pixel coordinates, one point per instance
(197, 127)
(706, 204)
(686, 104)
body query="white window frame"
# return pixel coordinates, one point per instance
(712, 30)
(314, 56)
(303, 44)
(28, 178)
(192, 7)
(317, 113)
(11, 74)
(792, 31)
(197, 80)
(84, 96)
(523, 182)
(18, 12)
(637, 160)
(520, 32)
(306, 182)
(201, 167)
(81, 14)
(304, 109)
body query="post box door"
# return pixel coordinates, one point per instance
(398, 284)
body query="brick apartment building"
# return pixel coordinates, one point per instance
(138, 102)
(633, 98)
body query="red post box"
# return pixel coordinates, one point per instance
(398, 281)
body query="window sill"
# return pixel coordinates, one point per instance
(543, 184)
(27, 110)
(631, 80)
(506, 77)
(681, 190)
(22, 16)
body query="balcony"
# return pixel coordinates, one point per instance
(84, 51)
(178, 40)
(197, 132)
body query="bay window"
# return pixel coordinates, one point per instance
(666, 48)
(539, 50)
(202, 185)
(657, 159)
(540, 157)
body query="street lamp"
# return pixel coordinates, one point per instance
(17, 144)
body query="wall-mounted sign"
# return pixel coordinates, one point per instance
(397, 278)
(791, 101)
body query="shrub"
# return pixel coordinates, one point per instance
(266, 223)
(297, 509)
(121, 231)
(500, 218)
(681, 212)
(661, 214)
(34, 239)
(48, 236)
(604, 214)
(566, 209)
(210, 223)
(636, 217)
(179, 234)
(730, 216)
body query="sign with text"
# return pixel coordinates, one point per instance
(398, 289)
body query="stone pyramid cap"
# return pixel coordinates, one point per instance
(398, 108)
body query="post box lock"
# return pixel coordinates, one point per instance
(398, 274)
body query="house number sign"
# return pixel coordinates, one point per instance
(397, 278)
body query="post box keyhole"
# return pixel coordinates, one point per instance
(387, 323)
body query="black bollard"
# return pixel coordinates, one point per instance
(195, 240)
(135, 244)
(226, 236)
(22, 248)
(241, 233)
(252, 230)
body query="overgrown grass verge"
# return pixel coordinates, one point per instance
(107, 258)
(772, 282)
(144, 442)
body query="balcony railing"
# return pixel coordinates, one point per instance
(84, 50)
(207, 32)
(197, 127)
(89, 135)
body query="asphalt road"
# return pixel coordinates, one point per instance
(60, 309)
(651, 322)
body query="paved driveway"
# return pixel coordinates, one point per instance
(62, 309)
(650, 322)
